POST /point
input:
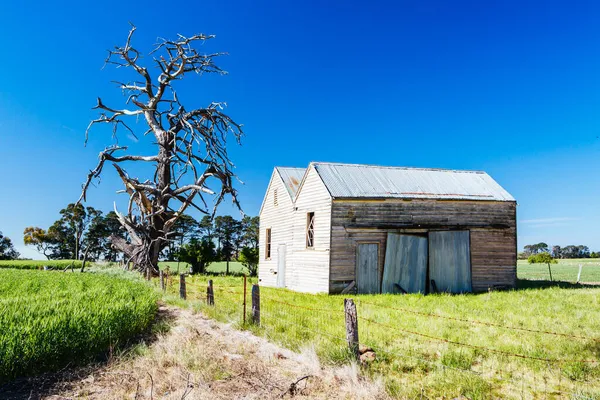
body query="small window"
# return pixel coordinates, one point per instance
(275, 197)
(310, 230)
(268, 244)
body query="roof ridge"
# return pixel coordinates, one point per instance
(291, 167)
(399, 167)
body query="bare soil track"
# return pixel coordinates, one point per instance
(198, 358)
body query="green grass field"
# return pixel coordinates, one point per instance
(565, 270)
(51, 319)
(424, 349)
(217, 267)
(540, 341)
(39, 264)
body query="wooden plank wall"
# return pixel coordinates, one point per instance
(492, 225)
(309, 271)
(493, 258)
(279, 218)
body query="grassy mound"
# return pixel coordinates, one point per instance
(50, 319)
(39, 264)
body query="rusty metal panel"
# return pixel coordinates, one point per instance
(370, 181)
(405, 264)
(450, 261)
(367, 268)
(291, 178)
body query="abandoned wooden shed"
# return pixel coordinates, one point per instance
(333, 228)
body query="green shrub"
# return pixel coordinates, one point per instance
(39, 264)
(249, 259)
(50, 319)
(541, 258)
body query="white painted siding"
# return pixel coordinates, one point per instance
(279, 219)
(309, 271)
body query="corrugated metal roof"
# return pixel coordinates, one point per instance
(291, 178)
(370, 181)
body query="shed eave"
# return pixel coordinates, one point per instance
(442, 198)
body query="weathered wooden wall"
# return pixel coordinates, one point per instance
(310, 269)
(492, 225)
(279, 219)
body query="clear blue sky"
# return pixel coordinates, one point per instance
(509, 87)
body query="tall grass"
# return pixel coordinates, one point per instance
(52, 319)
(430, 356)
(39, 264)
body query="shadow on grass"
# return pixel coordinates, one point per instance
(546, 284)
(52, 383)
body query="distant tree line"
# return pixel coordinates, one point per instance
(556, 251)
(79, 232)
(84, 232)
(7, 251)
(223, 238)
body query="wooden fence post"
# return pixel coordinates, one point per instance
(162, 280)
(256, 304)
(244, 306)
(210, 294)
(182, 293)
(352, 327)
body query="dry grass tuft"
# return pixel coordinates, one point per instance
(199, 358)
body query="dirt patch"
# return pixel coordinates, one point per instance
(199, 358)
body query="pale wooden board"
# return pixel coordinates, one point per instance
(450, 261)
(281, 258)
(405, 264)
(367, 268)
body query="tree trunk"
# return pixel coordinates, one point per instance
(144, 256)
(85, 255)
(76, 244)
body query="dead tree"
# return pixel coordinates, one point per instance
(190, 146)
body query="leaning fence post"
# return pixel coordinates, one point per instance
(182, 293)
(351, 327)
(579, 273)
(210, 294)
(244, 305)
(256, 304)
(162, 280)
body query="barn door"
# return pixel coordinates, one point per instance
(450, 261)
(367, 268)
(405, 264)
(281, 250)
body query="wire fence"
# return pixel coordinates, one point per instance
(386, 344)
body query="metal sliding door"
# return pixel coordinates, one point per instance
(405, 267)
(367, 268)
(450, 261)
